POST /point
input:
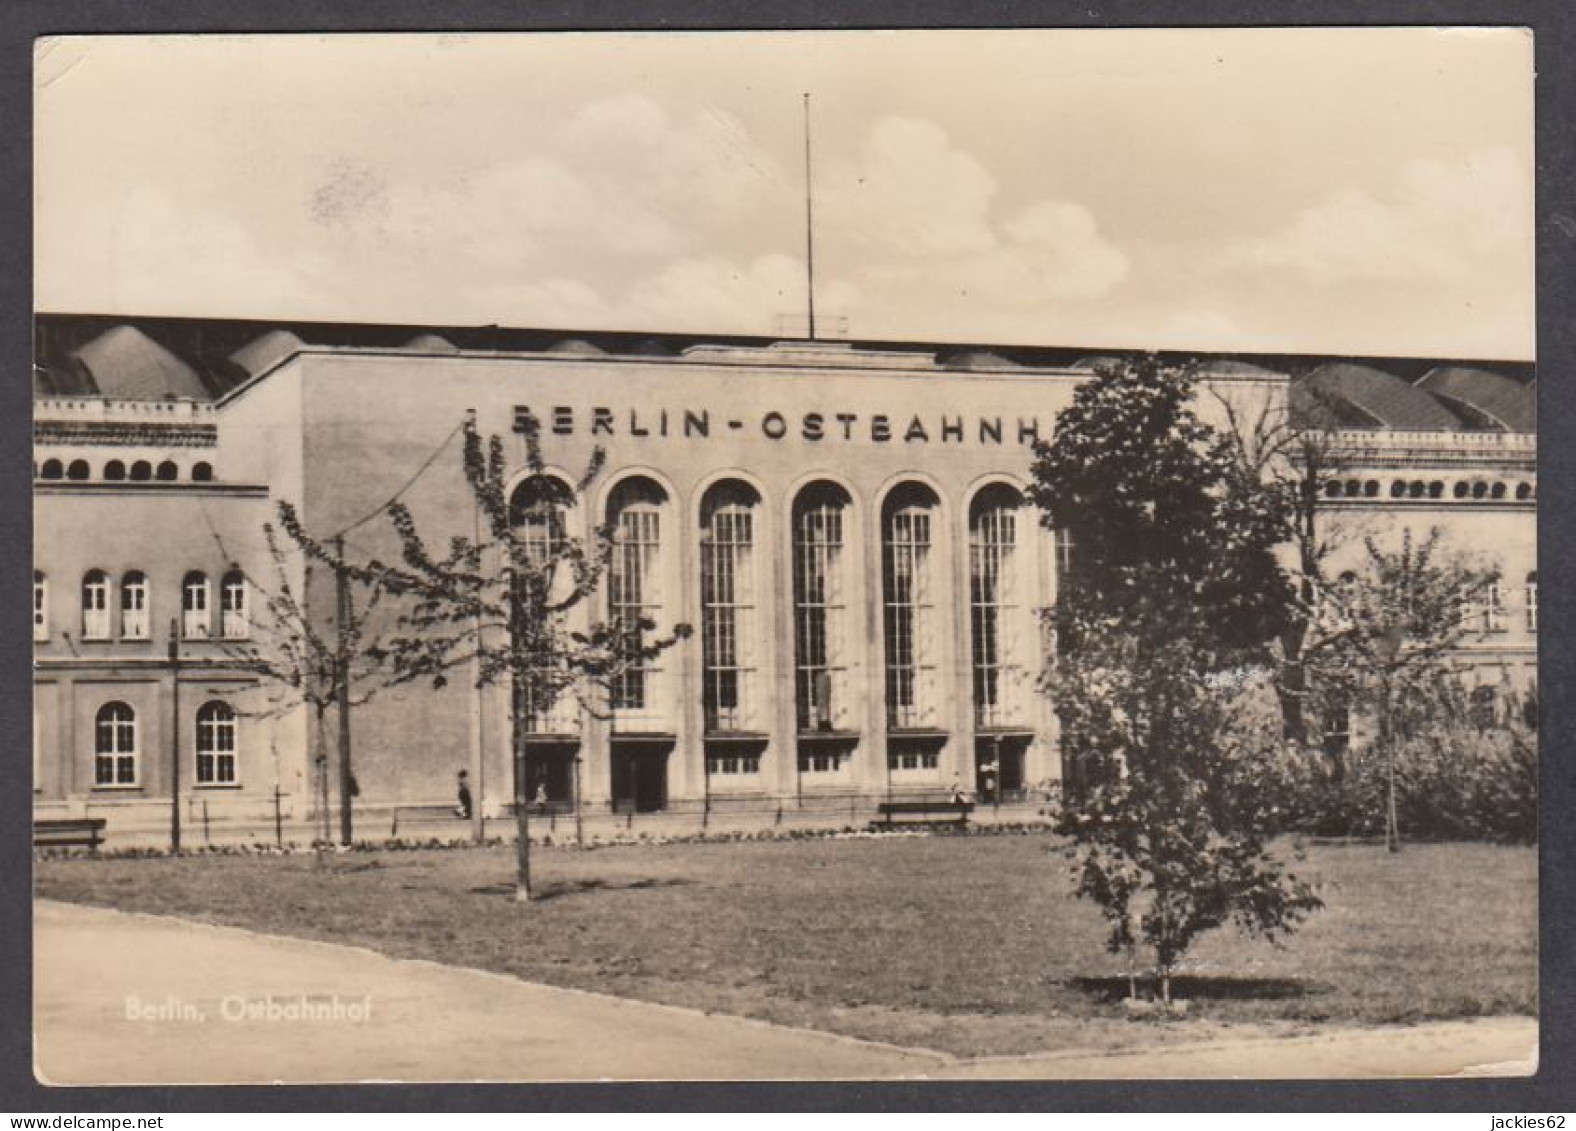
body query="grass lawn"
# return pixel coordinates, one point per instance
(968, 944)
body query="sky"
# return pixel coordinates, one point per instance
(1357, 191)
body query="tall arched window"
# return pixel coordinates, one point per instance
(115, 745)
(822, 696)
(1532, 601)
(634, 511)
(216, 744)
(908, 597)
(234, 621)
(134, 615)
(40, 606)
(729, 632)
(538, 513)
(95, 605)
(997, 614)
(195, 606)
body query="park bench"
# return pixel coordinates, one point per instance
(69, 832)
(938, 812)
(411, 813)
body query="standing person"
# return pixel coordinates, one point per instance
(541, 797)
(463, 786)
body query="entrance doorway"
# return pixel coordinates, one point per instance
(998, 766)
(640, 776)
(550, 775)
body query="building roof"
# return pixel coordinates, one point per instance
(430, 343)
(978, 359)
(261, 354)
(206, 358)
(576, 347)
(1507, 404)
(123, 362)
(1229, 367)
(1381, 396)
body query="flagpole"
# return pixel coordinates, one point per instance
(809, 221)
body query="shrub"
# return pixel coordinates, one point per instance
(1460, 775)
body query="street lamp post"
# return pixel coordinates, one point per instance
(175, 735)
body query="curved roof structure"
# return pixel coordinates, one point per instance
(652, 347)
(430, 343)
(1507, 405)
(61, 381)
(1227, 367)
(261, 354)
(1388, 401)
(1095, 361)
(978, 359)
(124, 362)
(576, 347)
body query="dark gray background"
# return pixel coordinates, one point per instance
(1553, 23)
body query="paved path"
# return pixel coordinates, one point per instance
(192, 987)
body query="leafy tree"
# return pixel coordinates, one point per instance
(1385, 639)
(1168, 607)
(498, 606)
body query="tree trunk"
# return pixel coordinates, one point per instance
(522, 816)
(1291, 688)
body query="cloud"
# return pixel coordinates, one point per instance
(1440, 222)
(923, 213)
(556, 301)
(910, 192)
(155, 259)
(715, 293)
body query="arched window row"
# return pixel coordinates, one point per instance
(1463, 490)
(116, 745)
(639, 515)
(133, 597)
(121, 471)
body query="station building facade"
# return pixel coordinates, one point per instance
(843, 526)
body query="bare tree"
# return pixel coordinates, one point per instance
(501, 606)
(306, 662)
(1289, 445)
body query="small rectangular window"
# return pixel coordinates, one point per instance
(134, 619)
(40, 607)
(95, 607)
(233, 622)
(1493, 609)
(194, 607)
